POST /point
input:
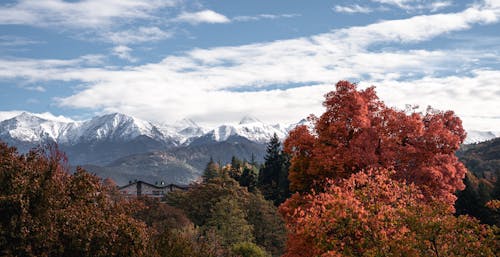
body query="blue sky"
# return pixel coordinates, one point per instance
(216, 61)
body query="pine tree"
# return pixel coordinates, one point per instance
(236, 168)
(211, 171)
(249, 177)
(273, 176)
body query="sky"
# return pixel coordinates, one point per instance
(217, 61)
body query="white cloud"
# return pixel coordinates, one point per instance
(352, 9)
(123, 52)
(81, 14)
(417, 5)
(10, 41)
(475, 98)
(35, 88)
(265, 16)
(102, 20)
(222, 83)
(137, 35)
(205, 16)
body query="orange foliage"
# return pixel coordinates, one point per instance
(358, 132)
(371, 214)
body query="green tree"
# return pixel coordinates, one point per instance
(211, 171)
(273, 176)
(199, 201)
(249, 177)
(189, 241)
(247, 249)
(199, 204)
(230, 222)
(269, 228)
(236, 169)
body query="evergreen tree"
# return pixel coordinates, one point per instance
(211, 171)
(236, 169)
(273, 176)
(249, 177)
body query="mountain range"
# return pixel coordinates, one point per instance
(125, 148)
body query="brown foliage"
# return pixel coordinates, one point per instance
(48, 212)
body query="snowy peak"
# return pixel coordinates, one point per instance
(116, 126)
(475, 136)
(250, 128)
(186, 123)
(302, 122)
(247, 119)
(222, 133)
(36, 128)
(30, 128)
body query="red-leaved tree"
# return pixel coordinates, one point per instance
(359, 132)
(371, 214)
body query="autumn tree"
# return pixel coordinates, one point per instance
(359, 132)
(273, 176)
(371, 214)
(46, 211)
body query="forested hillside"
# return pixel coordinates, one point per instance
(482, 180)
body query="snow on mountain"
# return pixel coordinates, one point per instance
(250, 128)
(182, 131)
(115, 126)
(474, 136)
(30, 128)
(5, 115)
(189, 129)
(247, 119)
(305, 122)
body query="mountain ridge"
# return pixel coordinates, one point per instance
(125, 148)
(30, 127)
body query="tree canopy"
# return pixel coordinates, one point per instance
(46, 211)
(358, 132)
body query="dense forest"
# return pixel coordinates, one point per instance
(482, 181)
(366, 180)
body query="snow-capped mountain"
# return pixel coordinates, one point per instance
(36, 128)
(183, 131)
(115, 126)
(250, 128)
(474, 136)
(30, 128)
(99, 143)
